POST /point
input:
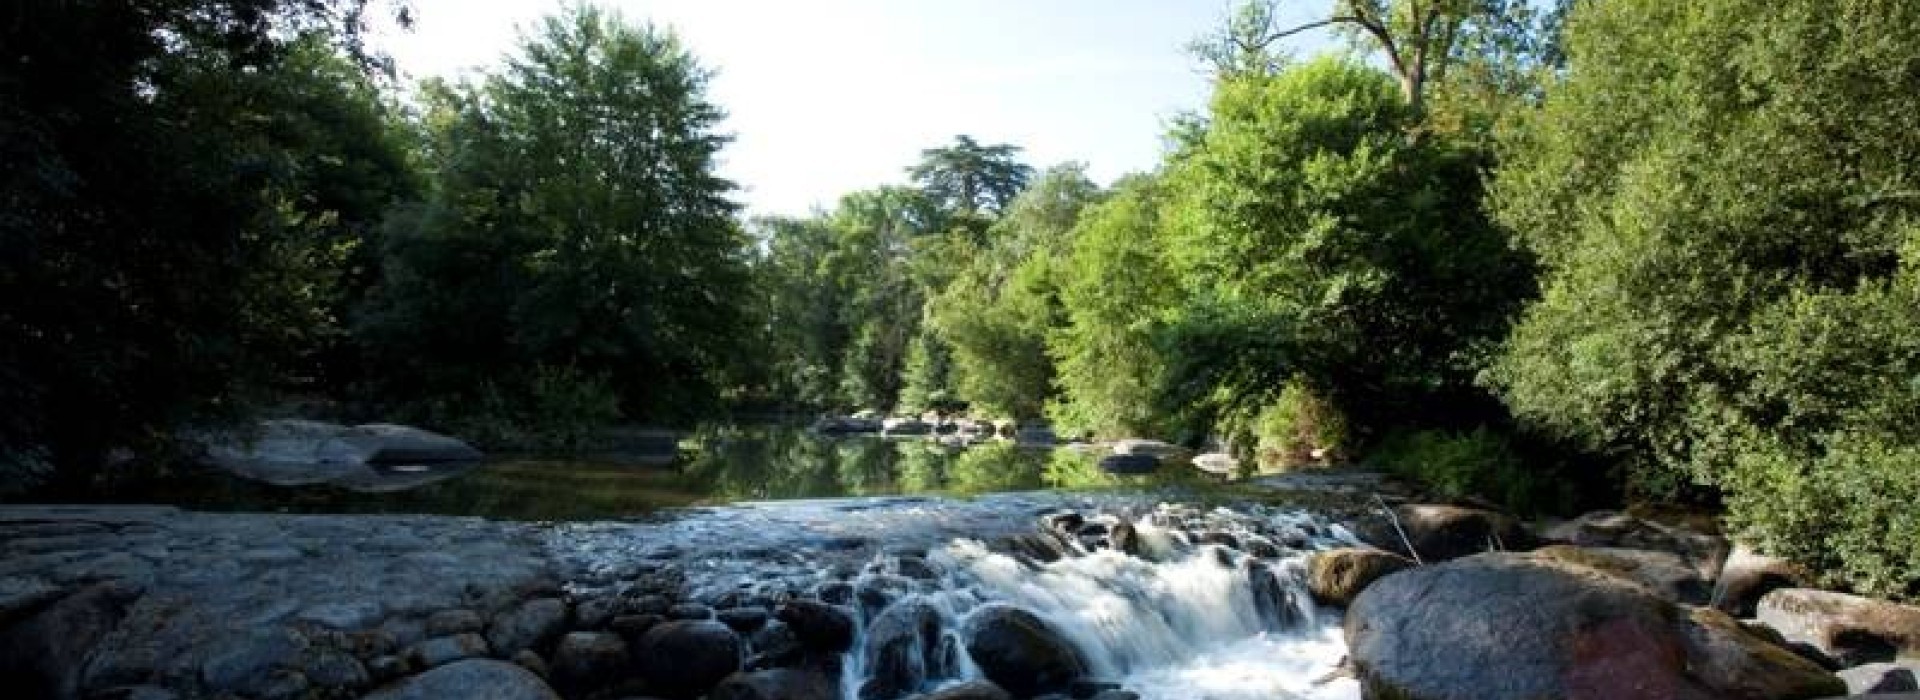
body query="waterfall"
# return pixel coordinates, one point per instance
(1187, 611)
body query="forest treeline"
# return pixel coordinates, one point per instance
(1546, 255)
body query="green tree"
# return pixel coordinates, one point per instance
(1723, 197)
(574, 221)
(969, 178)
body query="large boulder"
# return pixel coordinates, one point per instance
(473, 679)
(1020, 652)
(818, 626)
(45, 655)
(300, 452)
(585, 661)
(970, 690)
(903, 650)
(530, 624)
(1336, 576)
(1704, 552)
(777, 684)
(1502, 626)
(686, 658)
(1667, 574)
(1884, 677)
(1748, 575)
(1850, 629)
(1441, 532)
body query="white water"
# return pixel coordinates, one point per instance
(1182, 623)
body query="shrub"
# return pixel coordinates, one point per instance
(1479, 463)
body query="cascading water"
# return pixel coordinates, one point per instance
(1162, 600)
(1167, 618)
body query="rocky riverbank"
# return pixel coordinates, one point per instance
(1011, 595)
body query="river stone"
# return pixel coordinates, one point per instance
(689, 611)
(903, 650)
(1886, 677)
(1020, 652)
(584, 661)
(330, 668)
(970, 690)
(530, 624)
(777, 684)
(1442, 532)
(1851, 629)
(685, 658)
(742, 620)
(45, 656)
(442, 650)
(1665, 573)
(1749, 575)
(1336, 576)
(248, 662)
(818, 626)
(472, 679)
(1703, 552)
(1505, 626)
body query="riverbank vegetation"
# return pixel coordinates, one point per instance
(1548, 255)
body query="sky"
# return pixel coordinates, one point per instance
(826, 97)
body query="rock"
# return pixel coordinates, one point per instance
(1503, 626)
(1115, 695)
(1035, 434)
(251, 663)
(906, 426)
(1885, 677)
(970, 690)
(1336, 576)
(1748, 575)
(1020, 652)
(1151, 448)
(1129, 464)
(835, 592)
(1125, 539)
(472, 679)
(329, 668)
(595, 613)
(45, 655)
(914, 568)
(903, 650)
(777, 684)
(1705, 553)
(686, 658)
(442, 650)
(1665, 573)
(386, 668)
(689, 611)
(631, 627)
(296, 452)
(652, 604)
(817, 625)
(585, 661)
(1272, 600)
(1851, 629)
(532, 662)
(742, 620)
(21, 596)
(527, 625)
(1216, 463)
(1441, 532)
(343, 616)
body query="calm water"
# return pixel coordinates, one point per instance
(725, 464)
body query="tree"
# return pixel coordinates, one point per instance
(1722, 196)
(151, 213)
(970, 179)
(575, 222)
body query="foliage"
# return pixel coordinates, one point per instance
(1296, 425)
(555, 410)
(970, 179)
(1315, 242)
(574, 220)
(1722, 196)
(1478, 463)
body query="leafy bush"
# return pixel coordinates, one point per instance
(1479, 463)
(1296, 424)
(556, 409)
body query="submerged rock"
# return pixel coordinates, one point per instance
(473, 679)
(903, 650)
(1505, 626)
(1336, 576)
(1020, 652)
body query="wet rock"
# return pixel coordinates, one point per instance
(1441, 532)
(385, 668)
(774, 646)
(876, 592)
(903, 650)
(527, 625)
(21, 596)
(1087, 689)
(1116, 695)
(1749, 575)
(45, 655)
(1665, 573)
(835, 592)
(343, 615)
(649, 605)
(1224, 539)
(817, 625)
(1273, 600)
(250, 663)
(685, 658)
(1066, 522)
(584, 661)
(1886, 677)
(631, 627)
(135, 692)
(330, 668)
(472, 679)
(1129, 464)
(1505, 626)
(1125, 539)
(689, 611)
(915, 568)
(742, 620)
(1336, 576)
(442, 650)
(970, 690)
(777, 684)
(595, 613)
(1851, 629)
(1703, 552)
(1020, 652)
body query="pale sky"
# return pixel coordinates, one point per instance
(829, 96)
